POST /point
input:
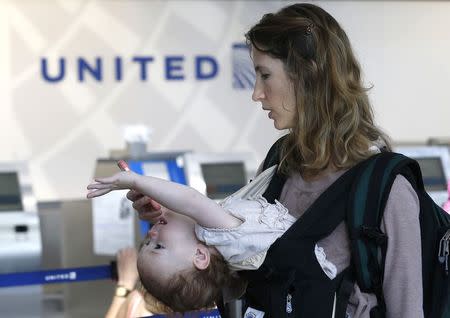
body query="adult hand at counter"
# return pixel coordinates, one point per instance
(126, 267)
(148, 209)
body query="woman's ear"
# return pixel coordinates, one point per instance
(202, 257)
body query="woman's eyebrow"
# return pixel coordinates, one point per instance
(260, 68)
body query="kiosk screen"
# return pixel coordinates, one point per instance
(223, 179)
(433, 173)
(10, 197)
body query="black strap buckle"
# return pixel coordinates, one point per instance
(373, 234)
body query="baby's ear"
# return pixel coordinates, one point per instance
(202, 257)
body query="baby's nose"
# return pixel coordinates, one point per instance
(152, 233)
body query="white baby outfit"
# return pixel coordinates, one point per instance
(245, 247)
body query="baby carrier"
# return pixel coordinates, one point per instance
(290, 283)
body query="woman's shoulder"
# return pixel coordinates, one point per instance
(402, 206)
(402, 192)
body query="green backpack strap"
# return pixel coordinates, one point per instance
(366, 206)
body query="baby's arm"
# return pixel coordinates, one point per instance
(176, 197)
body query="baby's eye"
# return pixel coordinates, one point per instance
(158, 246)
(162, 221)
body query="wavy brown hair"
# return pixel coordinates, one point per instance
(189, 290)
(334, 121)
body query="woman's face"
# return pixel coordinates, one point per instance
(274, 89)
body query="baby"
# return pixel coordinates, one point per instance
(194, 250)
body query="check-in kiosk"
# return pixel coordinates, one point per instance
(218, 175)
(435, 165)
(439, 141)
(20, 235)
(20, 239)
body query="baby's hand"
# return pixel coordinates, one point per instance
(121, 180)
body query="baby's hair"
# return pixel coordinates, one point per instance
(190, 290)
(152, 304)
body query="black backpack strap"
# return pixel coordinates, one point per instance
(368, 199)
(343, 293)
(275, 186)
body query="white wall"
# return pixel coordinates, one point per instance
(63, 127)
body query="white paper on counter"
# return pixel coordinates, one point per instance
(156, 169)
(112, 222)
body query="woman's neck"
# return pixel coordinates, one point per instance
(317, 176)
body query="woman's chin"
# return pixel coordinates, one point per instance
(278, 126)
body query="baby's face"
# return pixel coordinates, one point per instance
(168, 248)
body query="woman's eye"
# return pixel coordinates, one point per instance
(265, 76)
(158, 246)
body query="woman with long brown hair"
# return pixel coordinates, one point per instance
(309, 80)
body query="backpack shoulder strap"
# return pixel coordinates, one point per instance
(367, 201)
(275, 186)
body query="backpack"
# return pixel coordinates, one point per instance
(367, 200)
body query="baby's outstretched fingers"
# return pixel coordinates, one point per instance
(94, 186)
(96, 193)
(119, 181)
(106, 179)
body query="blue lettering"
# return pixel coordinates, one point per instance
(143, 60)
(96, 71)
(200, 72)
(172, 66)
(57, 78)
(206, 67)
(118, 68)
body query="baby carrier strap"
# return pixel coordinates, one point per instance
(317, 218)
(317, 222)
(273, 191)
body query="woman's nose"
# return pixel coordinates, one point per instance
(258, 93)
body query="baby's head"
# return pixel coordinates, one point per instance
(179, 270)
